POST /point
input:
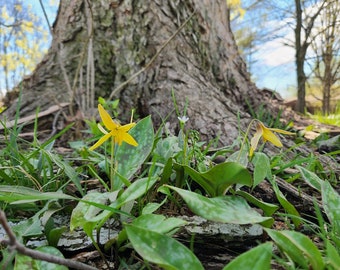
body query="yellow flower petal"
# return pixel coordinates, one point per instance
(271, 137)
(118, 132)
(255, 140)
(130, 140)
(282, 131)
(100, 141)
(126, 127)
(106, 118)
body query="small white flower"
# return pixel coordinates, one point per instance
(183, 119)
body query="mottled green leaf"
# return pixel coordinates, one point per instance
(257, 258)
(261, 167)
(135, 190)
(161, 249)
(158, 223)
(219, 178)
(310, 178)
(331, 204)
(298, 247)
(89, 215)
(333, 256)
(267, 208)
(130, 158)
(20, 194)
(289, 208)
(226, 209)
(23, 262)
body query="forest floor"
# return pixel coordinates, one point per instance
(212, 246)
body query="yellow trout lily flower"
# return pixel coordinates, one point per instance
(116, 131)
(267, 135)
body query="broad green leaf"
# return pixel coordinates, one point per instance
(161, 249)
(23, 262)
(261, 168)
(333, 256)
(289, 208)
(135, 190)
(167, 148)
(226, 209)
(240, 157)
(219, 178)
(152, 207)
(298, 247)
(158, 223)
(310, 178)
(88, 215)
(257, 258)
(130, 158)
(20, 194)
(268, 208)
(42, 265)
(331, 204)
(29, 228)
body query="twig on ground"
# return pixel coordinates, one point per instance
(14, 245)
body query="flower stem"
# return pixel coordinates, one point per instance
(245, 138)
(112, 169)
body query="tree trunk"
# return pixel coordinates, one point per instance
(300, 51)
(99, 45)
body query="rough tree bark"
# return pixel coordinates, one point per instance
(98, 45)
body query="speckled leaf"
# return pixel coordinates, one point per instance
(135, 190)
(86, 215)
(331, 203)
(298, 247)
(289, 208)
(257, 258)
(333, 256)
(130, 158)
(268, 208)
(158, 223)
(23, 262)
(20, 194)
(217, 180)
(310, 178)
(261, 168)
(161, 249)
(226, 209)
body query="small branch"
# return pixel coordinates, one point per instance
(119, 87)
(13, 244)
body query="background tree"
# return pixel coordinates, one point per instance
(139, 52)
(22, 38)
(326, 48)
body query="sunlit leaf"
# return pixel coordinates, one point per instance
(161, 249)
(257, 258)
